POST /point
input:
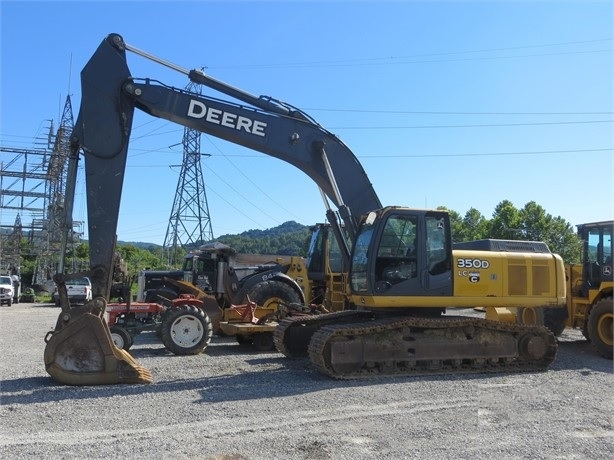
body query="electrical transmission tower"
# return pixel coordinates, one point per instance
(38, 187)
(56, 185)
(189, 222)
(23, 178)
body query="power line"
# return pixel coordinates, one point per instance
(421, 155)
(538, 152)
(395, 60)
(249, 179)
(416, 112)
(487, 125)
(493, 125)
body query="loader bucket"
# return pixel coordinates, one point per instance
(213, 311)
(81, 351)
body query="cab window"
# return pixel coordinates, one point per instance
(436, 245)
(396, 253)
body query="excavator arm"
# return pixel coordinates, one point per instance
(80, 351)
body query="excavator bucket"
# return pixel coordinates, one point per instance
(80, 351)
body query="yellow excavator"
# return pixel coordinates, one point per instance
(405, 278)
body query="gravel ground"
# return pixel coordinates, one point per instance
(235, 403)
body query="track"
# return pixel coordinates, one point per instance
(292, 335)
(352, 345)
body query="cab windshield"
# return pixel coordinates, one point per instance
(360, 259)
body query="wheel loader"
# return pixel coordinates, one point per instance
(405, 281)
(589, 290)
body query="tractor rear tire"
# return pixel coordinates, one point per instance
(600, 327)
(186, 330)
(121, 337)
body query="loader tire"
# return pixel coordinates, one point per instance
(585, 332)
(272, 292)
(186, 330)
(121, 337)
(600, 327)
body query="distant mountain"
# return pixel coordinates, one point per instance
(287, 239)
(139, 244)
(283, 229)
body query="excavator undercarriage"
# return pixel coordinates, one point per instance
(355, 344)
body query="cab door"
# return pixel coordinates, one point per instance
(413, 254)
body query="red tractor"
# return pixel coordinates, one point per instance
(181, 323)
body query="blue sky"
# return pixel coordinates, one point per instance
(460, 104)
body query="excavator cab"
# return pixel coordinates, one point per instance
(400, 252)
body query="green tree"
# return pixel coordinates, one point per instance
(535, 222)
(82, 251)
(506, 223)
(531, 223)
(558, 234)
(563, 240)
(139, 259)
(456, 223)
(475, 225)
(27, 263)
